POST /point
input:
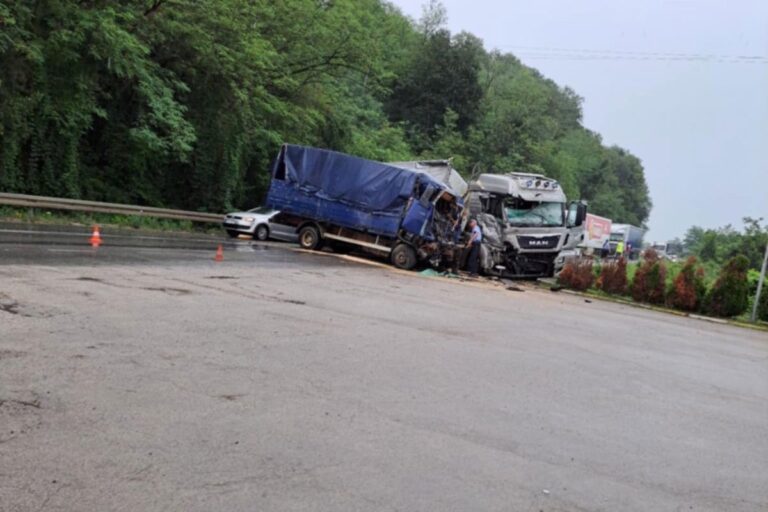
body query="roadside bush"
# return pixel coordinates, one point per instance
(649, 284)
(762, 307)
(577, 275)
(730, 294)
(613, 277)
(688, 290)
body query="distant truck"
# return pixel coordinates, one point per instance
(632, 236)
(597, 230)
(526, 222)
(349, 202)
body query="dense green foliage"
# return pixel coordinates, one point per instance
(183, 103)
(722, 244)
(762, 308)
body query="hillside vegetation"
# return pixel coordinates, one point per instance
(183, 103)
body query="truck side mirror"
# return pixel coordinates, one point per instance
(577, 213)
(581, 213)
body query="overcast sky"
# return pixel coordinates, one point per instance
(699, 124)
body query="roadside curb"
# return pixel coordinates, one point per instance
(695, 316)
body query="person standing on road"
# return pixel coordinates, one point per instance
(476, 236)
(620, 250)
(606, 250)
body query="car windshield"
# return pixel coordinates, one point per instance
(527, 213)
(261, 209)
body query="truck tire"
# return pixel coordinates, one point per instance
(309, 238)
(403, 256)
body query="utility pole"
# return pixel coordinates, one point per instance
(760, 285)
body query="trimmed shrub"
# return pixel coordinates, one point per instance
(613, 277)
(730, 294)
(577, 275)
(688, 289)
(649, 284)
(762, 307)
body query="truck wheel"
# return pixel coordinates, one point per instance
(309, 238)
(403, 256)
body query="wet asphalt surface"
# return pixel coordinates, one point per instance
(156, 379)
(24, 244)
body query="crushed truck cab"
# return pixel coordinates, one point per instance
(526, 222)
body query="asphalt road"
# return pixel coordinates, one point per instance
(159, 380)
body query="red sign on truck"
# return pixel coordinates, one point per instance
(596, 230)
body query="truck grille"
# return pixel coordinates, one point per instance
(538, 242)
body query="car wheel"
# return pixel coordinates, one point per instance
(261, 233)
(232, 233)
(403, 256)
(309, 238)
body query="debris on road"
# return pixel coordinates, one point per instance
(430, 272)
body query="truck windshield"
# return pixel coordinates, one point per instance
(526, 213)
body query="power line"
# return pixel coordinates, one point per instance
(547, 53)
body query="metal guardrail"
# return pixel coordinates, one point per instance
(55, 203)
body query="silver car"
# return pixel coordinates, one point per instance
(257, 222)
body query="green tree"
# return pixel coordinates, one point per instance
(183, 103)
(442, 75)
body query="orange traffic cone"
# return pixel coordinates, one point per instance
(219, 254)
(95, 237)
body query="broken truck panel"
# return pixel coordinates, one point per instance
(358, 202)
(441, 170)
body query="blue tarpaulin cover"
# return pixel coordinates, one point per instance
(344, 190)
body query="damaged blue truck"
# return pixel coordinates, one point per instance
(390, 210)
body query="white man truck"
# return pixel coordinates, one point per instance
(526, 222)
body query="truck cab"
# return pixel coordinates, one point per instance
(526, 222)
